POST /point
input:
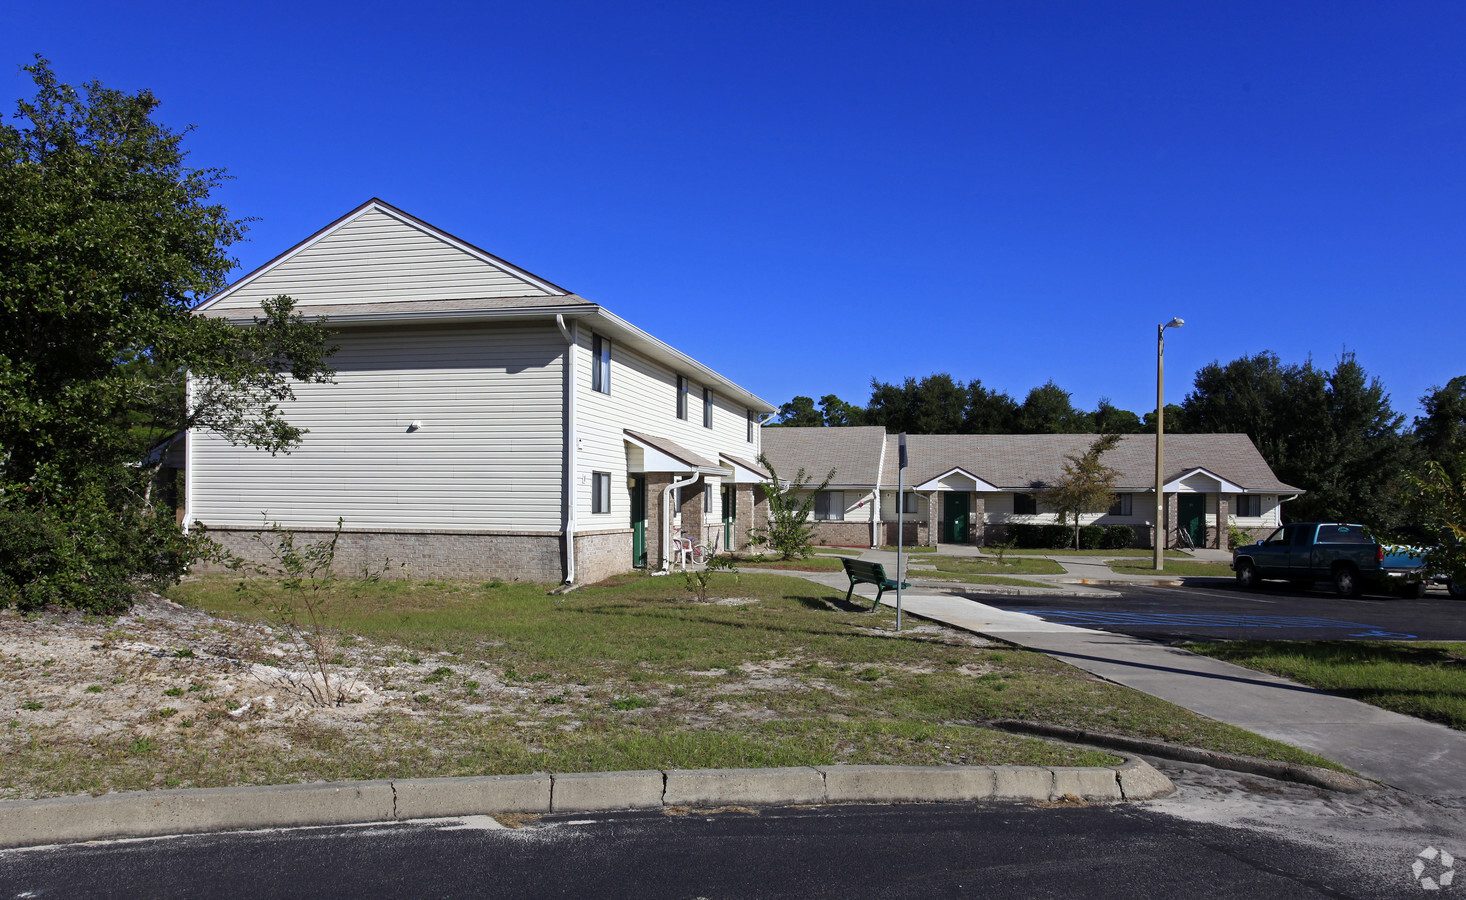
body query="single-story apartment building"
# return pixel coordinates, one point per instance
(483, 421)
(967, 488)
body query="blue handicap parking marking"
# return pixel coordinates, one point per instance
(1210, 620)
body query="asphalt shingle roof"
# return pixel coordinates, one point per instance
(1014, 461)
(854, 453)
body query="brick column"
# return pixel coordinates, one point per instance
(979, 519)
(1224, 512)
(692, 519)
(1168, 527)
(655, 482)
(934, 517)
(743, 512)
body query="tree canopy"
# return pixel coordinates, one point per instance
(107, 242)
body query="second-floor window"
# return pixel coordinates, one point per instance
(707, 407)
(752, 421)
(600, 373)
(681, 397)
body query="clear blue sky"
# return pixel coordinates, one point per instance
(808, 195)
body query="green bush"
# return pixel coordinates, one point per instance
(1118, 537)
(1091, 537)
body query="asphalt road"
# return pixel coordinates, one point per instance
(1274, 612)
(948, 850)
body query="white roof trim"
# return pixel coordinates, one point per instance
(932, 485)
(742, 474)
(406, 219)
(654, 460)
(1223, 485)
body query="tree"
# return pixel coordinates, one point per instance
(988, 412)
(1087, 485)
(1110, 419)
(799, 412)
(1441, 432)
(836, 412)
(1048, 410)
(1438, 500)
(1332, 433)
(107, 242)
(790, 504)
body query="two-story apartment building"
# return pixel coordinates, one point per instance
(483, 421)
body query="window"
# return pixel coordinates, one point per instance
(1121, 506)
(1024, 504)
(908, 502)
(600, 492)
(829, 506)
(600, 373)
(707, 407)
(752, 421)
(1248, 505)
(707, 498)
(681, 397)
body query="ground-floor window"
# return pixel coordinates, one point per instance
(1248, 505)
(829, 506)
(908, 502)
(600, 492)
(1025, 504)
(1121, 506)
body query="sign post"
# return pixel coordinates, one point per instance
(900, 522)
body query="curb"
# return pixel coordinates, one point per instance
(1251, 765)
(132, 814)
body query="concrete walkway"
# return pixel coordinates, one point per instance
(1406, 753)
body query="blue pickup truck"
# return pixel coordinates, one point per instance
(1306, 552)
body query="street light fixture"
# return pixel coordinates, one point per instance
(1158, 539)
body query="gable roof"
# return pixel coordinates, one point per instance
(673, 451)
(853, 452)
(1023, 461)
(1017, 462)
(378, 254)
(380, 266)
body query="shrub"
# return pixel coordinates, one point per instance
(1091, 537)
(1118, 537)
(1056, 537)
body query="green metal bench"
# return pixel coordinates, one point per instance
(860, 572)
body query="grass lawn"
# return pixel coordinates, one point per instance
(1425, 680)
(1110, 554)
(485, 679)
(817, 563)
(1179, 567)
(982, 565)
(911, 549)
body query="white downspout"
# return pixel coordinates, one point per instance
(187, 457)
(667, 518)
(571, 335)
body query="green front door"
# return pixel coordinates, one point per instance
(729, 514)
(637, 485)
(1191, 510)
(954, 517)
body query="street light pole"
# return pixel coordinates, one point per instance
(1158, 537)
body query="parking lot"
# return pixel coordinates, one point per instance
(1217, 610)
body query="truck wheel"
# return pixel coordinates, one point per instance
(1247, 576)
(1346, 582)
(1457, 589)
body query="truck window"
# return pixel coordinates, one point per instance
(1301, 535)
(1342, 534)
(1277, 538)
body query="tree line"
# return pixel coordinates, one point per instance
(1331, 432)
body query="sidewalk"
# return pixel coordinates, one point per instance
(1406, 753)
(1081, 576)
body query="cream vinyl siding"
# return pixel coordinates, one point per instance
(888, 506)
(643, 398)
(489, 454)
(377, 257)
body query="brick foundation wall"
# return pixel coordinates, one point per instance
(512, 556)
(842, 534)
(913, 532)
(601, 554)
(743, 516)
